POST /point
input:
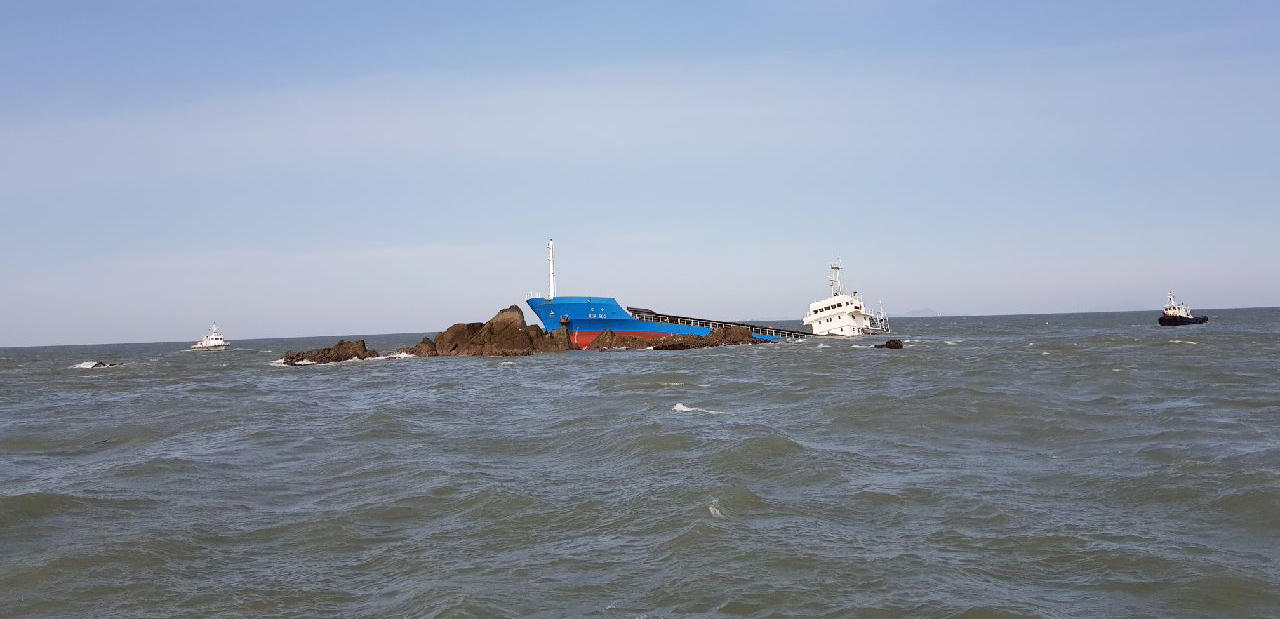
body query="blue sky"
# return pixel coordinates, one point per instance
(304, 168)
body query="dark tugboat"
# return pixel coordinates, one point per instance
(1176, 314)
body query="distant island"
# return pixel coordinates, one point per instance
(922, 312)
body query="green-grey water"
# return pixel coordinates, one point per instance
(1089, 465)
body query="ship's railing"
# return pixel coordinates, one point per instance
(652, 316)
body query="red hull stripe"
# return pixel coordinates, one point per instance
(584, 338)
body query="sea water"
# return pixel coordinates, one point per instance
(1090, 465)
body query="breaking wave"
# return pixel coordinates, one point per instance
(681, 408)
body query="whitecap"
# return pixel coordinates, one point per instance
(823, 346)
(1045, 352)
(1181, 342)
(280, 361)
(714, 508)
(681, 408)
(949, 342)
(670, 384)
(87, 365)
(507, 363)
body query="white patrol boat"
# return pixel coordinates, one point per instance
(1176, 314)
(211, 341)
(844, 314)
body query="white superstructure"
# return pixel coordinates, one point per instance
(844, 314)
(211, 340)
(1175, 309)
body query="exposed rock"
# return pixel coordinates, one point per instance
(609, 340)
(895, 344)
(425, 348)
(455, 338)
(719, 336)
(342, 351)
(555, 341)
(506, 334)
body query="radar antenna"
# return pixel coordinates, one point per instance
(836, 287)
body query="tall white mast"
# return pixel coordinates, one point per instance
(835, 278)
(551, 268)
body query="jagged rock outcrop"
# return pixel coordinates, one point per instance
(342, 351)
(505, 335)
(425, 348)
(555, 341)
(609, 340)
(457, 337)
(894, 344)
(719, 336)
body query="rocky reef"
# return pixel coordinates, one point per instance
(342, 351)
(719, 336)
(894, 344)
(608, 340)
(507, 335)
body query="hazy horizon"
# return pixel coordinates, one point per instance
(529, 317)
(317, 167)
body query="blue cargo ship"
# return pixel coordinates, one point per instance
(585, 318)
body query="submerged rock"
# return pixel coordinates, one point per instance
(342, 351)
(92, 365)
(894, 344)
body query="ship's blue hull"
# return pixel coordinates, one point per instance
(586, 317)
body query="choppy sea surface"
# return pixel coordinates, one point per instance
(1076, 465)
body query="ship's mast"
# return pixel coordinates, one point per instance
(835, 278)
(551, 269)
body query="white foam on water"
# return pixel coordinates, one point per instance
(1045, 352)
(280, 361)
(87, 365)
(823, 346)
(397, 355)
(1115, 369)
(507, 363)
(681, 408)
(714, 508)
(670, 384)
(1181, 342)
(949, 342)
